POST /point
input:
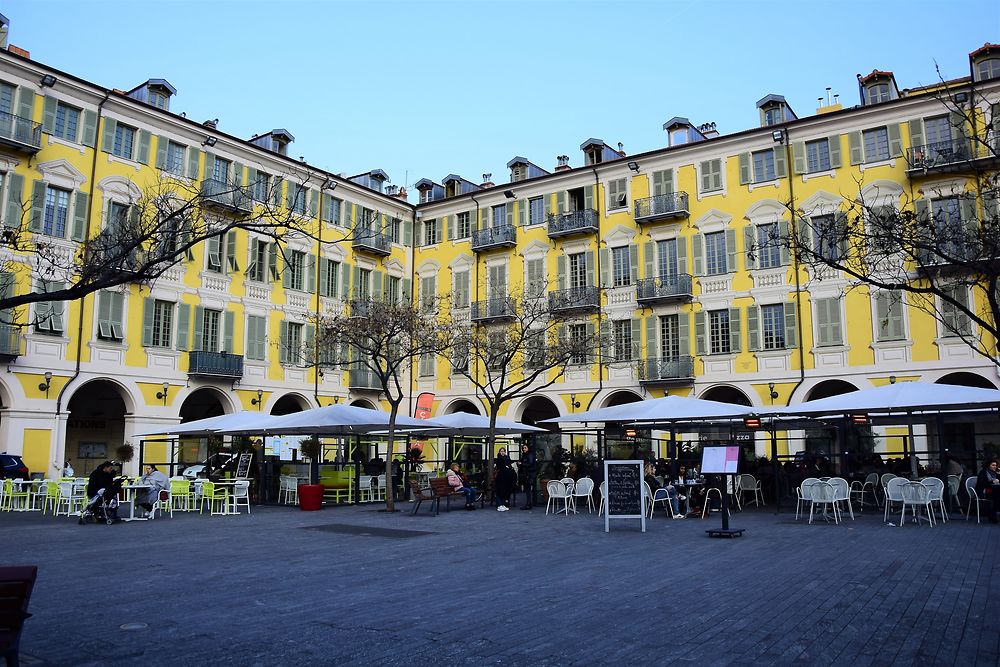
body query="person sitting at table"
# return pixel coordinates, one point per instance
(674, 487)
(988, 487)
(458, 484)
(156, 481)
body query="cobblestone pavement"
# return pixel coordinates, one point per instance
(357, 586)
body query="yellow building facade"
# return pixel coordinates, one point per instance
(669, 252)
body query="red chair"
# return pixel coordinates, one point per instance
(16, 584)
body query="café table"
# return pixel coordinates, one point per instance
(131, 491)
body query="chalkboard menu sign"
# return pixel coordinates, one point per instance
(624, 492)
(243, 466)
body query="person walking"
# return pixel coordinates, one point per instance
(505, 480)
(526, 471)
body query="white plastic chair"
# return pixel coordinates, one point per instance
(379, 489)
(749, 484)
(708, 499)
(842, 493)
(65, 498)
(803, 497)
(557, 491)
(858, 490)
(604, 498)
(365, 492)
(584, 488)
(916, 495)
(240, 496)
(883, 482)
(893, 494)
(823, 494)
(660, 496)
(164, 504)
(935, 489)
(954, 484)
(970, 488)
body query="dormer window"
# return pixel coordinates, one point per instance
(678, 136)
(988, 68)
(774, 116)
(878, 93)
(593, 155)
(158, 99)
(426, 195)
(451, 189)
(518, 173)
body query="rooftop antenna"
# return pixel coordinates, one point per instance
(828, 101)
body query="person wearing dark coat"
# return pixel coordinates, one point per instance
(526, 472)
(103, 477)
(988, 487)
(506, 478)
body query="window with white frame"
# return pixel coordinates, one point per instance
(988, 68)
(209, 333)
(827, 237)
(666, 258)
(621, 267)
(330, 277)
(430, 232)
(262, 187)
(295, 270)
(67, 122)
(879, 93)
(463, 226)
(578, 337)
(56, 212)
(670, 345)
(623, 340)
(772, 326)
(364, 284)
(818, 155)
(393, 290)
(292, 347)
(876, 144)
(124, 143)
(763, 166)
(718, 332)
(768, 246)
(617, 196)
(715, 253)
(536, 210)
(220, 170)
(955, 320)
(163, 323)
(259, 257)
(500, 215)
(175, 158)
(577, 270)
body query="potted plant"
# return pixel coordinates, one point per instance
(125, 453)
(311, 495)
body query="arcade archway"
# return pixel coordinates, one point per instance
(96, 424)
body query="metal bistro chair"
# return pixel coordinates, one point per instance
(365, 492)
(750, 484)
(842, 493)
(557, 491)
(708, 498)
(604, 498)
(916, 495)
(935, 489)
(803, 497)
(970, 488)
(240, 497)
(584, 488)
(823, 494)
(893, 494)
(883, 482)
(954, 484)
(859, 489)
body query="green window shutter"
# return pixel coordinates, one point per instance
(588, 197)
(290, 193)
(117, 315)
(698, 249)
(922, 210)
(605, 257)
(683, 336)
(663, 182)
(407, 288)
(324, 276)
(895, 140)
(780, 169)
(356, 281)
(649, 259)
(49, 114)
(561, 271)
(882, 316)
(804, 233)
(251, 179)
(856, 147)
(228, 330)
(547, 205)
(968, 213)
(588, 258)
(682, 255)
(730, 250)
(916, 127)
(142, 155)
(784, 240)
(276, 185)
(79, 227)
(108, 139)
(522, 214)
(37, 206)
(699, 331)
(313, 203)
(193, 155)
(791, 324)
(840, 220)
(509, 213)
(283, 351)
(345, 281)
(652, 349)
(209, 167)
(161, 152)
(706, 176)
(753, 328)
(734, 330)
(799, 158)
(310, 268)
(199, 326)
(633, 263)
(13, 207)
(272, 262)
(148, 313)
(183, 325)
(378, 280)
(716, 166)
(89, 134)
(407, 233)
(897, 320)
(286, 270)
(237, 174)
(834, 145)
(26, 103)
(104, 314)
(749, 246)
(636, 326)
(561, 201)
(231, 264)
(453, 228)
(309, 344)
(836, 329)
(745, 176)
(251, 345)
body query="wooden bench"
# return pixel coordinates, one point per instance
(439, 488)
(16, 584)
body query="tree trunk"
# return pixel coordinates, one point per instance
(491, 438)
(390, 505)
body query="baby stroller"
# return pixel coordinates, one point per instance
(102, 507)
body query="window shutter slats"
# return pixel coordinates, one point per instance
(799, 158)
(833, 143)
(183, 325)
(734, 330)
(791, 324)
(856, 147)
(895, 140)
(745, 168)
(753, 332)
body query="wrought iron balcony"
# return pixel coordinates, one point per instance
(574, 298)
(360, 308)
(940, 156)
(666, 370)
(10, 342)
(226, 196)
(494, 237)
(501, 308)
(363, 378)
(20, 134)
(662, 207)
(667, 288)
(368, 240)
(215, 364)
(576, 222)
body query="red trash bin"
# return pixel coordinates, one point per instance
(310, 497)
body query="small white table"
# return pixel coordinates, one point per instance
(131, 491)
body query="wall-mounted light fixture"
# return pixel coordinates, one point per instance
(509, 194)
(774, 394)
(633, 165)
(48, 81)
(573, 403)
(259, 401)
(209, 141)
(778, 136)
(330, 184)
(162, 395)
(892, 379)
(336, 400)
(44, 386)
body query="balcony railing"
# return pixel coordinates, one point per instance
(10, 342)
(493, 309)
(360, 308)
(21, 134)
(226, 196)
(215, 364)
(362, 378)
(576, 222)
(368, 240)
(667, 288)
(666, 370)
(661, 207)
(939, 156)
(574, 298)
(494, 237)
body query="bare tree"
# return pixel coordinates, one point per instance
(512, 349)
(939, 252)
(382, 338)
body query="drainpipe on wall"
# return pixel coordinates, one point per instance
(600, 296)
(475, 281)
(86, 235)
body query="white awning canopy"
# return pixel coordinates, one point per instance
(899, 398)
(660, 410)
(462, 423)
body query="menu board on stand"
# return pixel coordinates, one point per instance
(623, 487)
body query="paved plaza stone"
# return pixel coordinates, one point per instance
(352, 585)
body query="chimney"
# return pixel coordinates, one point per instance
(401, 193)
(487, 183)
(562, 163)
(391, 190)
(708, 130)
(621, 149)
(211, 123)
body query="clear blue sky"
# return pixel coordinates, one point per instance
(427, 89)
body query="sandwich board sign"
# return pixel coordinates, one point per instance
(623, 486)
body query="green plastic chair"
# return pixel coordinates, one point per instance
(213, 494)
(51, 496)
(181, 495)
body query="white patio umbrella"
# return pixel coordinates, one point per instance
(330, 420)
(245, 419)
(899, 398)
(656, 410)
(463, 423)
